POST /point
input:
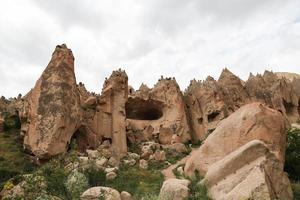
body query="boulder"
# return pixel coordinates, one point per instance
(126, 196)
(174, 189)
(111, 175)
(96, 193)
(252, 121)
(250, 172)
(54, 107)
(143, 164)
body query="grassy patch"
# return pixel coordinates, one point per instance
(13, 159)
(197, 189)
(138, 182)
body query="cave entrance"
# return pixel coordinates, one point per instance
(140, 109)
(213, 116)
(79, 140)
(289, 107)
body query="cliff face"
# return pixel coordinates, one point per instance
(57, 109)
(211, 101)
(157, 113)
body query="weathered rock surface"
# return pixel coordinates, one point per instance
(54, 112)
(250, 122)
(210, 101)
(157, 113)
(174, 189)
(250, 172)
(96, 193)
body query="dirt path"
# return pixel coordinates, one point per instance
(168, 172)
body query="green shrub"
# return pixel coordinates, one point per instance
(296, 190)
(55, 177)
(96, 177)
(197, 189)
(292, 154)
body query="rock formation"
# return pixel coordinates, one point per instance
(210, 101)
(54, 112)
(110, 119)
(250, 172)
(250, 122)
(157, 113)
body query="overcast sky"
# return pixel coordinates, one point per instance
(184, 39)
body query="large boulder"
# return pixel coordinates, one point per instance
(174, 189)
(252, 121)
(250, 172)
(54, 111)
(96, 193)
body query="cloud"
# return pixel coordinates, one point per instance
(177, 38)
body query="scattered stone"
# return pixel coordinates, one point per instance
(180, 171)
(110, 169)
(159, 155)
(143, 164)
(111, 175)
(101, 162)
(96, 193)
(174, 189)
(112, 162)
(129, 162)
(134, 156)
(93, 154)
(126, 196)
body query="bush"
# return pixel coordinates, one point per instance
(55, 177)
(296, 190)
(292, 154)
(197, 189)
(96, 177)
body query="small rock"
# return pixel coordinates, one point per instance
(93, 154)
(101, 162)
(126, 196)
(146, 152)
(134, 156)
(174, 189)
(106, 153)
(96, 193)
(130, 162)
(180, 170)
(111, 169)
(106, 144)
(111, 175)
(113, 161)
(83, 160)
(143, 164)
(159, 155)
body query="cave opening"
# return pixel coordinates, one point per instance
(79, 140)
(289, 107)
(213, 116)
(140, 109)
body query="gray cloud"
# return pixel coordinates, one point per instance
(178, 38)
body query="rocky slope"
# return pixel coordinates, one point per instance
(241, 124)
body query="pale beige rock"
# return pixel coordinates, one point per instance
(93, 154)
(129, 162)
(250, 172)
(126, 196)
(159, 155)
(95, 193)
(101, 162)
(111, 175)
(252, 121)
(143, 164)
(91, 101)
(112, 162)
(174, 189)
(178, 147)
